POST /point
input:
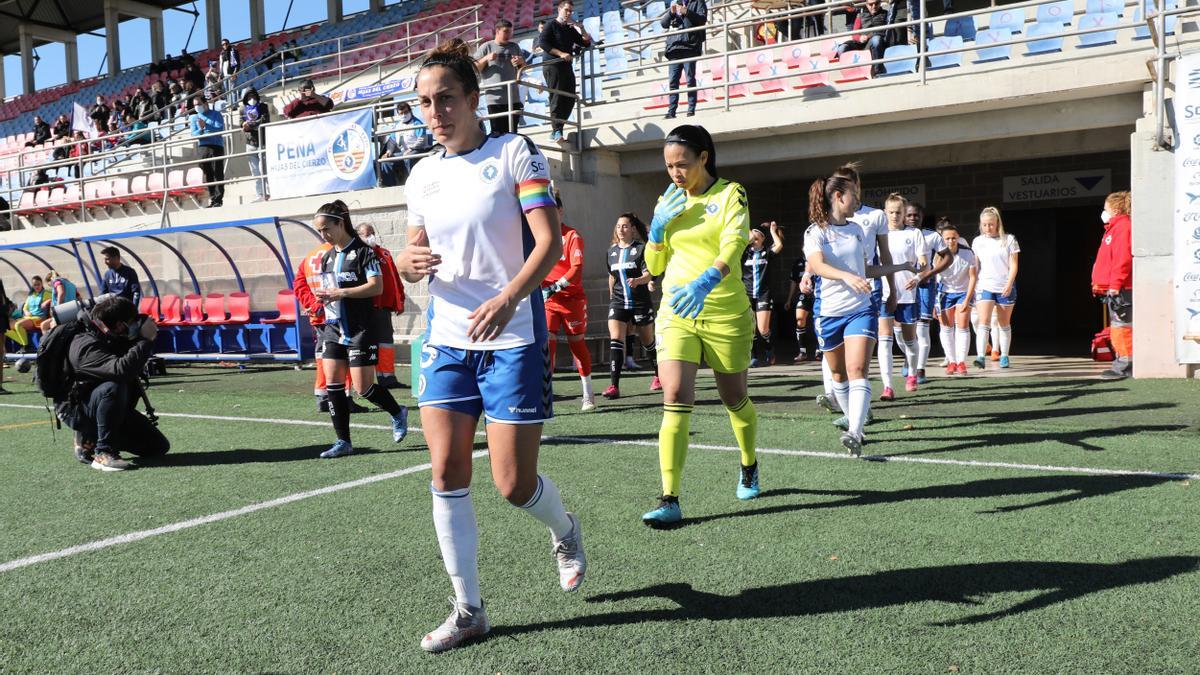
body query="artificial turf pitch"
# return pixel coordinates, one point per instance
(841, 565)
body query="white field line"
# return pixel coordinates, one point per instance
(213, 518)
(726, 448)
(224, 515)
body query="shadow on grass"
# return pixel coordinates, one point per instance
(258, 456)
(1058, 489)
(962, 585)
(1077, 439)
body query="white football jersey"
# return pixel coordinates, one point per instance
(473, 208)
(993, 255)
(846, 248)
(957, 277)
(906, 246)
(873, 222)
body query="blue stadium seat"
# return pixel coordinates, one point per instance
(898, 67)
(1048, 45)
(986, 37)
(1061, 12)
(1105, 7)
(945, 60)
(1012, 20)
(1098, 21)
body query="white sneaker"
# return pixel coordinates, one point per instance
(589, 404)
(465, 623)
(568, 551)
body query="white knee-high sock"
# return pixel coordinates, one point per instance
(962, 344)
(827, 376)
(909, 347)
(981, 340)
(1005, 339)
(546, 505)
(458, 537)
(946, 336)
(884, 352)
(923, 344)
(841, 393)
(860, 404)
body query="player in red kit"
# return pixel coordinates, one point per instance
(566, 306)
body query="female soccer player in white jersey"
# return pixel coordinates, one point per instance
(350, 280)
(939, 260)
(907, 246)
(483, 228)
(956, 292)
(997, 289)
(629, 298)
(701, 226)
(840, 253)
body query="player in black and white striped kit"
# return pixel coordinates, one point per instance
(629, 299)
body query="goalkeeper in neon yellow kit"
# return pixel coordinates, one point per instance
(701, 226)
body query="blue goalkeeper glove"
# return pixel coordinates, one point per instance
(688, 301)
(669, 206)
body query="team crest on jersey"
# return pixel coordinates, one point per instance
(428, 356)
(349, 151)
(489, 172)
(351, 255)
(420, 385)
(711, 209)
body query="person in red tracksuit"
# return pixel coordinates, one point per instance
(1112, 281)
(307, 273)
(391, 301)
(566, 305)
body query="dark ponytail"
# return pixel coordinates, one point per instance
(697, 139)
(820, 196)
(338, 210)
(455, 56)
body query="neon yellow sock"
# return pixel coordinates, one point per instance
(672, 445)
(744, 420)
(19, 335)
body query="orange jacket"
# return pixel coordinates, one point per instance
(569, 266)
(306, 276)
(392, 297)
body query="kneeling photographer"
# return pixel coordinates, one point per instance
(106, 354)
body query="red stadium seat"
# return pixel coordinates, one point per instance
(214, 309)
(149, 306)
(194, 181)
(172, 311)
(27, 202)
(137, 189)
(193, 310)
(239, 308)
(154, 186)
(120, 191)
(285, 302)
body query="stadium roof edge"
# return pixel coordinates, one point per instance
(75, 17)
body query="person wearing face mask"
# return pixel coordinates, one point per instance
(106, 356)
(391, 301)
(206, 125)
(255, 113)
(1112, 281)
(411, 137)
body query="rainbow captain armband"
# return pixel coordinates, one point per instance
(535, 194)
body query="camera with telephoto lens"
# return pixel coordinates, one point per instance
(70, 311)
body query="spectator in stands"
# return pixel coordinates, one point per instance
(212, 82)
(873, 17)
(230, 60)
(100, 112)
(142, 107)
(78, 149)
(139, 131)
(309, 103)
(5, 226)
(255, 113)
(41, 132)
(211, 148)
(39, 178)
(271, 57)
(187, 104)
(113, 135)
(562, 39)
(537, 44)
(120, 279)
(805, 26)
(160, 100)
(412, 137)
(293, 51)
(194, 75)
(186, 59)
(683, 14)
(497, 61)
(62, 127)
(119, 107)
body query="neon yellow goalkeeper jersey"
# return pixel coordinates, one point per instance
(713, 226)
